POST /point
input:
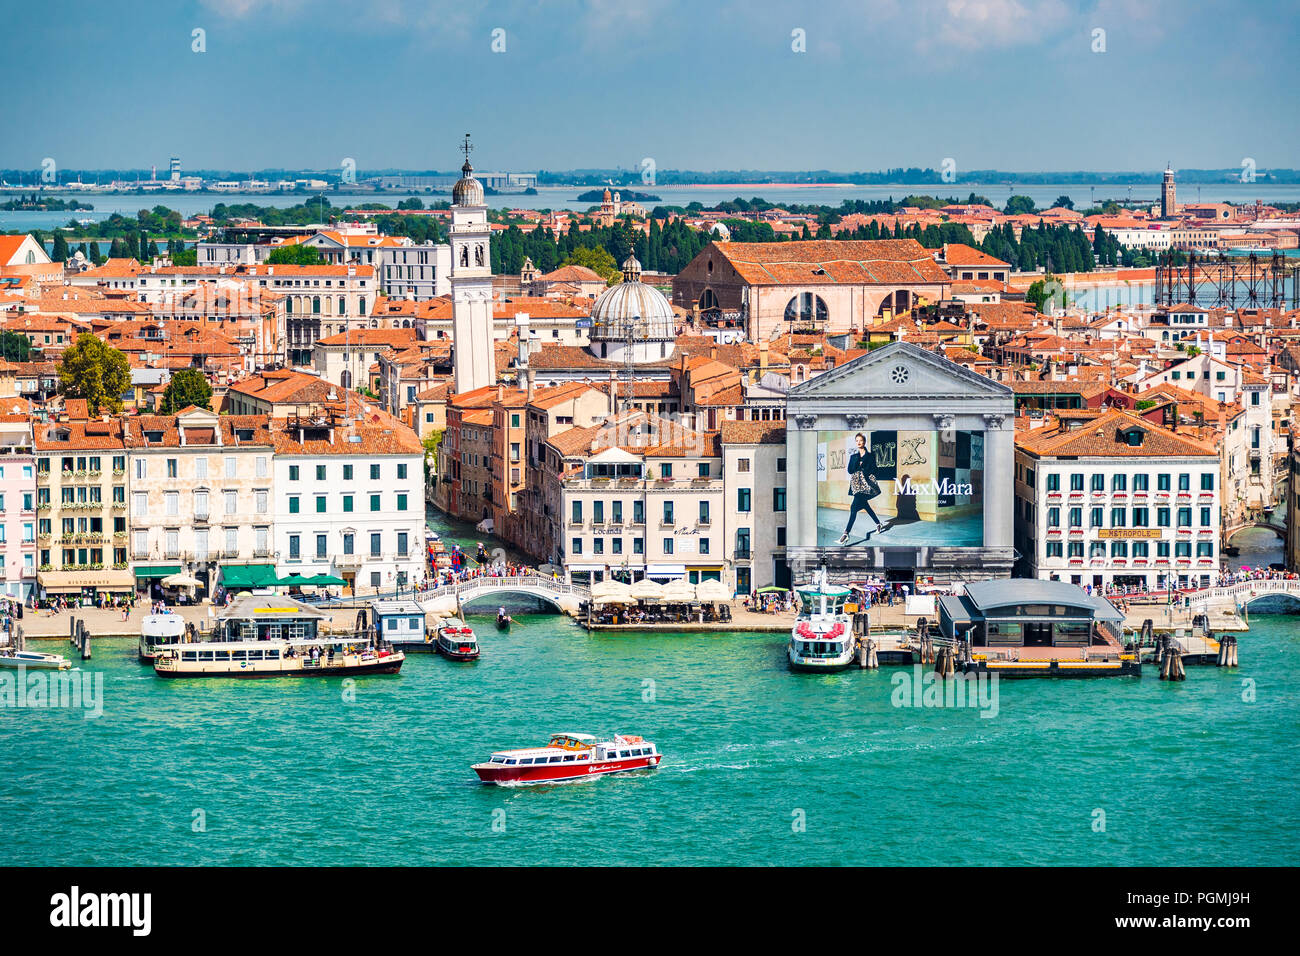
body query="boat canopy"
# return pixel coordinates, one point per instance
(814, 591)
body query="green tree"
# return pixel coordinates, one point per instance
(1019, 206)
(295, 255)
(598, 261)
(431, 443)
(188, 387)
(1065, 202)
(60, 251)
(96, 372)
(14, 346)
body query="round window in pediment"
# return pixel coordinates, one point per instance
(899, 375)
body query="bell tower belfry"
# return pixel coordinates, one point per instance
(471, 282)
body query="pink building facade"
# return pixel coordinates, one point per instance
(17, 507)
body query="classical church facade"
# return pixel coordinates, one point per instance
(900, 467)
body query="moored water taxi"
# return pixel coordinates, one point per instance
(456, 640)
(270, 636)
(822, 637)
(33, 660)
(569, 756)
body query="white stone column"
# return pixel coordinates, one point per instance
(801, 476)
(999, 482)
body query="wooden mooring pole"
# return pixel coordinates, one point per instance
(1172, 666)
(1227, 652)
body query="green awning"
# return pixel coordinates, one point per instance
(325, 580)
(157, 570)
(235, 576)
(293, 581)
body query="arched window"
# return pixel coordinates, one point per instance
(806, 308)
(288, 306)
(896, 302)
(343, 306)
(361, 305)
(315, 305)
(708, 300)
(345, 379)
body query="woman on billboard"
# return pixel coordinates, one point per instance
(863, 487)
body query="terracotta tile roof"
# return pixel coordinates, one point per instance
(753, 433)
(826, 261)
(80, 434)
(1102, 438)
(166, 430)
(370, 338)
(572, 274)
(960, 254)
(378, 433)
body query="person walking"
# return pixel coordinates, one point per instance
(863, 487)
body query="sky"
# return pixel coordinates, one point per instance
(1020, 85)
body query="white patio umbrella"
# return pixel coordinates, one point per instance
(610, 592)
(647, 590)
(679, 591)
(180, 581)
(712, 591)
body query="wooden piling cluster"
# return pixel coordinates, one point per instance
(1169, 659)
(79, 637)
(1227, 652)
(945, 662)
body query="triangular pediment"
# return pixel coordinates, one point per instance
(899, 370)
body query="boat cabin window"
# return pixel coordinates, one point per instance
(240, 655)
(498, 760)
(189, 656)
(569, 757)
(273, 653)
(203, 655)
(584, 756)
(512, 761)
(255, 655)
(556, 759)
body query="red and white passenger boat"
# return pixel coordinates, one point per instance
(569, 757)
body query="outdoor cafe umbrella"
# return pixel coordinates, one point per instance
(325, 580)
(647, 590)
(293, 581)
(772, 589)
(610, 592)
(712, 590)
(679, 591)
(180, 581)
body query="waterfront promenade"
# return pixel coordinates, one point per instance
(109, 623)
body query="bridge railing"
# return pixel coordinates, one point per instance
(1232, 592)
(508, 582)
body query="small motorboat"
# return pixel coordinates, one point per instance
(569, 757)
(503, 620)
(33, 660)
(456, 640)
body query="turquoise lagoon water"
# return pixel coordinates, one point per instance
(288, 772)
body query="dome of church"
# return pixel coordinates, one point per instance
(468, 191)
(644, 308)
